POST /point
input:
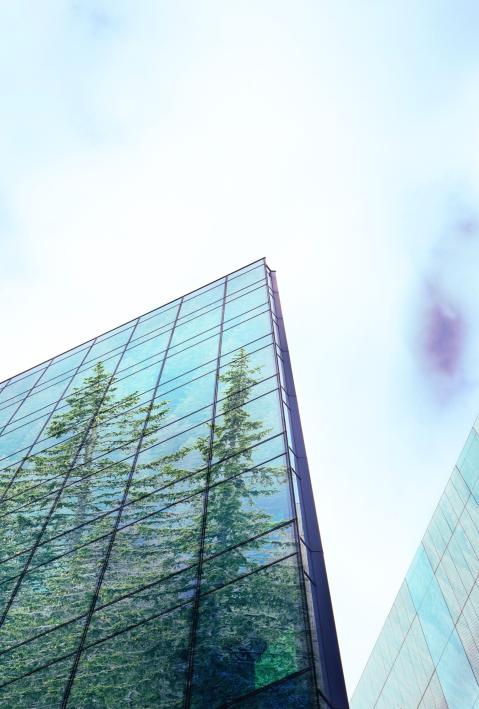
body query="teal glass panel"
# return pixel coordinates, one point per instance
(243, 303)
(469, 465)
(110, 343)
(65, 364)
(20, 386)
(245, 278)
(143, 353)
(20, 439)
(160, 319)
(187, 359)
(455, 674)
(207, 298)
(6, 413)
(237, 333)
(247, 505)
(54, 592)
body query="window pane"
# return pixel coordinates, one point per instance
(261, 641)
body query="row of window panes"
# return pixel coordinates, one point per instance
(174, 633)
(254, 393)
(257, 268)
(251, 349)
(265, 404)
(121, 332)
(160, 354)
(252, 326)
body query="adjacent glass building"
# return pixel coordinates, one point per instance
(427, 654)
(158, 540)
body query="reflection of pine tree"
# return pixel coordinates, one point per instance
(244, 637)
(96, 437)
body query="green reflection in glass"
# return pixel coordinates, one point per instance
(142, 667)
(251, 633)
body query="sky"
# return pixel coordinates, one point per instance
(147, 148)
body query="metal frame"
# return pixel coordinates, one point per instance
(332, 671)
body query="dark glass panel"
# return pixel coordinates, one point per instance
(20, 659)
(41, 690)
(55, 592)
(259, 635)
(142, 667)
(295, 693)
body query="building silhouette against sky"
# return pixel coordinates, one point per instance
(427, 654)
(158, 539)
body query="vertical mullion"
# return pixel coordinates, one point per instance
(292, 496)
(332, 677)
(196, 601)
(60, 491)
(49, 417)
(26, 395)
(114, 531)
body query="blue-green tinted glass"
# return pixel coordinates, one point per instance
(148, 546)
(426, 655)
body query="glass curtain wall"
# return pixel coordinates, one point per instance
(150, 526)
(427, 654)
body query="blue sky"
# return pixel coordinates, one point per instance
(149, 147)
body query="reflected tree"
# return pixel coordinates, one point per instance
(250, 630)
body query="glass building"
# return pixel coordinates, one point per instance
(158, 540)
(427, 654)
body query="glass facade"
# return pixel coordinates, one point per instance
(158, 541)
(427, 654)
